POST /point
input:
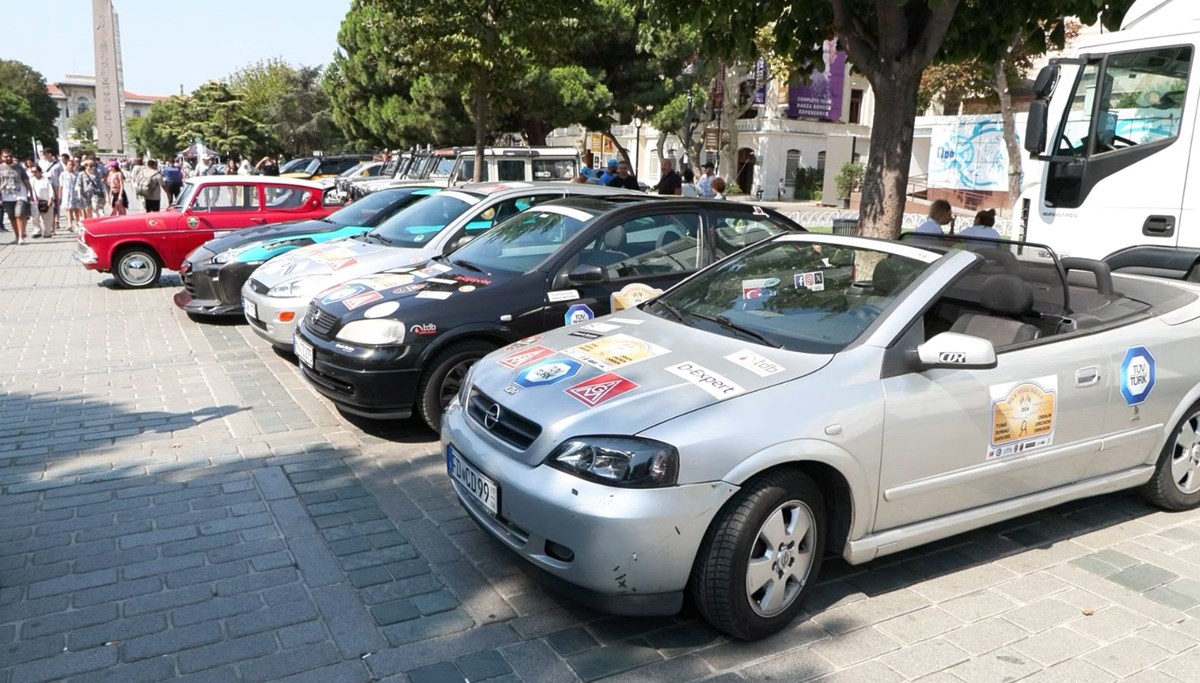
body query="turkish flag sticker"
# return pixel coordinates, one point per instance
(600, 389)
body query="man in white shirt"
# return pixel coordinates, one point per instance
(15, 192)
(704, 184)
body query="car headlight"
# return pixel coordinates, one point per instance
(291, 288)
(618, 461)
(373, 332)
(223, 257)
(465, 390)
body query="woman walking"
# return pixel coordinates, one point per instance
(72, 195)
(116, 189)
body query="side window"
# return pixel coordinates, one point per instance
(793, 163)
(650, 245)
(554, 169)
(281, 198)
(510, 169)
(1073, 139)
(733, 232)
(227, 198)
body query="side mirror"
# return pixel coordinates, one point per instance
(1035, 127)
(955, 351)
(1046, 79)
(586, 274)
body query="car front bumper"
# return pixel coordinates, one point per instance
(363, 381)
(211, 289)
(86, 256)
(275, 318)
(631, 550)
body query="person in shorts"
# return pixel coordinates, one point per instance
(15, 193)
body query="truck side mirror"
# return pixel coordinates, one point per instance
(1046, 79)
(1035, 127)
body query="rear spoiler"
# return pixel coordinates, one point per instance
(1176, 263)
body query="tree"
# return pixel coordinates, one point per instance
(83, 126)
(890, 42)
(290, 105)
(26, 110)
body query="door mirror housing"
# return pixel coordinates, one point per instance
(1035, 127)
(586, 274)
(955, 351)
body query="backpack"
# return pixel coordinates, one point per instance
(141, 183)
(172, 175)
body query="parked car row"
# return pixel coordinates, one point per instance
(653, 400)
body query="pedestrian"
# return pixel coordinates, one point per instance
(201, 166)
(718, 188)
(704, 185)
(72, 193)
(610, 172)
(96, 190)
(940, 213)
(670, 183)
(154, 186)
(245, 168)
(137, 179)
(42, 198)
(624, 177)
(115, 182)
(267, 166)
(15, 191)
(582, 177)
(689, 188)
(172, 181)
(984, 226)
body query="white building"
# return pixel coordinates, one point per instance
(76, 94)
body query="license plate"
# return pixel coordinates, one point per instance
(303, 351)
(251, 308)
(482, 488)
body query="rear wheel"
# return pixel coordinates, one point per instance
(1176, 481)
(136, 267)
(445, 377)
(761, 557)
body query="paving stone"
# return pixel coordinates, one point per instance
(925, 658)
(873, 671)
(370, 576)
(225, 652)
(1111, 623)
(170, 641)
(1141, 577)
(115, 632)
(144, 671)
(1127, 656)
(121, 590)
(856, 646)
(68, 621)
(919, 625)
(443, 672)
(1000, 665)
(348, 622)
(482, 666)
(1043, 614)
(433, 603)
(211, 610)
(425, 628)
(64, 665)
(611, 659)
(288, 662)
(571, 641)
(535, 662)
(1055, 645)
(987, 635)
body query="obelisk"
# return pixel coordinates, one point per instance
(110, 128)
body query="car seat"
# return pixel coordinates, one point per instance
(1006, 298)
(666, 237)
(613, 249)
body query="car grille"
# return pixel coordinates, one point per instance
(319, 322)
(258, 287)
(509, 428)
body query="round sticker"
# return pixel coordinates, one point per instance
(467, 288)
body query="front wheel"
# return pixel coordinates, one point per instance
(136, 268)
(445, 376)
(762, 556)
(1176, 481)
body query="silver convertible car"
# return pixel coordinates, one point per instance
(823, 393)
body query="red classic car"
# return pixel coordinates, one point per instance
(136, 248)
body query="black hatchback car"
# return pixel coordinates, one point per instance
(213, 274)
(392, 343)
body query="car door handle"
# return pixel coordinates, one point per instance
(260, 221)
(1086, 377)
(1159, 226)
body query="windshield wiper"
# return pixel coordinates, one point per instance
(376, 236)
(670, 309)
(466, 264)
(728, 324)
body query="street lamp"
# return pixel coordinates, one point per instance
(637, 146)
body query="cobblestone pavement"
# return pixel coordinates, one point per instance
(174, 501)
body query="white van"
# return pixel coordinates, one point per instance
(530, 164)
(1114, 127)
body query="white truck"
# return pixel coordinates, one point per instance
(1114, 128)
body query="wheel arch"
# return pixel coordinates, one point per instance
(135, 243)
(494, 334)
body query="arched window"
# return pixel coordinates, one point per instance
(82, 105)
(789, 171)
(820, 161)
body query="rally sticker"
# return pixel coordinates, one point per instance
(466, 288)
(361, 300)
(627, 321)
(1137, 375)
(614, 352)
(415, 287)
(601, 327)
(586, 334)
(522, 343)
(546, 373)
(717, 385)
(578, 313)
(386, 280)
(562, 295)
(192, 221)
(524, 357)
(338, 293)
(759, 365)
(600, 389)
(758, 288)
(427, 294)
(631, 295)
(442, 281)
(1022, 415)
(813, 282)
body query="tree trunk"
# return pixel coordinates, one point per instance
(886, 180)
(620, 148)
(1008, 118)
(481, 123)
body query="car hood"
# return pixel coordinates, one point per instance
(241, 238)
(638, 371)
(131, 223)
(337, 261)
(421, 293)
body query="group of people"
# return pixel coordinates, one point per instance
(941, 213)
(618, 174)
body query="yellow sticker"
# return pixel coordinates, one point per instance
(1022, 415)
(631, 295)
(613, 352)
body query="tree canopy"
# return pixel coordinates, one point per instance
(26, 110)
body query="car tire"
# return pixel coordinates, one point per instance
(446, 372)
(136, 268)
(1176, 481)
(740, 583)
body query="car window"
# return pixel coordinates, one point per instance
(280, 198)
(524, 241)
(649, 245)
(226, 198)
(734, 232)
(502, 211)
(362, 211)
(554, 169)
(510, 169)
(803, 296)
(414, 226)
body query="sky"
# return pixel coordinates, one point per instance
(170, 44)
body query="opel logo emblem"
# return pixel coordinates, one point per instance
(492, 416)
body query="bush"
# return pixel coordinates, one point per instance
(849, 178)
(807, 183)
(734, 188)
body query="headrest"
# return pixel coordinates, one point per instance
(615, 239)
(889, 275)
(1007, 295)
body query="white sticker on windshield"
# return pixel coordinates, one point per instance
(717, 385)
(562, 295)
(759, 365)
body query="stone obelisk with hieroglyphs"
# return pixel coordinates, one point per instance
(110, 91)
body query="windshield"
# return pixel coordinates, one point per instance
(353, 169)
(417, 224)
(185, 195)
(295, 165)
(802, 296)
(519, 244)
(362, 211)
(443, 167)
